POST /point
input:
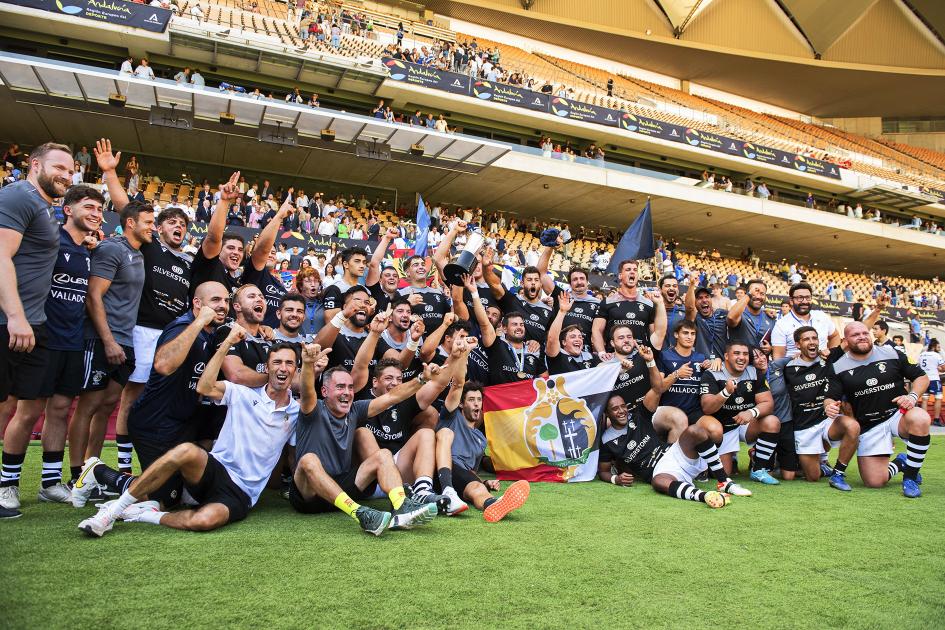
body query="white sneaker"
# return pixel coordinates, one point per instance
(10, 497)
(134, 511)
(86, 484)
(97, 525)
(456, 505)
(730, 487)
(59, 493)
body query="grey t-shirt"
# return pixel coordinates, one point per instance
(469, 443)
(116, 260)
(24, 210)
(330, 438)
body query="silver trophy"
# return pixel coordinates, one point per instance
(466, 261)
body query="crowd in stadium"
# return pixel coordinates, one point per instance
(361, 374)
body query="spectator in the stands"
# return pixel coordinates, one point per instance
(295, 97)
(762, 191)
(848, 293)
(196, 79)
(127, 66)
(313, 101)
(144, 71)
(182, 77)
(441, 124)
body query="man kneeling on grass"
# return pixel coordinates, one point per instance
(460, 445)
(325, 476)
(227, 481)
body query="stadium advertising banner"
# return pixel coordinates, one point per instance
(118, 12)
(423, 76)
(510, 95)
(582, 111)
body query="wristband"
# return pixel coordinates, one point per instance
(725, 394)
(413, 345)
(613, 479)
(914, 396)
(651, 363)
(422, 380)
(338, 320)
(754, 412)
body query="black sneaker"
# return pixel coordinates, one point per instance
(441, 501)
(413, 513)
(6, 513)
(373, 521)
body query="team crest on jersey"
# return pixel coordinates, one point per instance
(429, 308)
(881, 367)
(640, 307)
(559, 430)
(748, 386)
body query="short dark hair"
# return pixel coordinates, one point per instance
(610, 333)
(800, 286)
(628, 261)
(530, 269)
(172, 213)
(735, 342)
(400, 300)
(351, 291)
(383, 364)
(470, 386)
(567, 329)
(685, 323)
(77, 193)
(932, 343)
(233, 236)
(756, 281)
(882, 325)
(800, 332)
(665, 279)
(410, 260)
(456, 326)
(575, 270)
(132, 209)
(899, 337)
(512, 315)
(284, 345)
(291, 297)
(330, 372)
(350, 252)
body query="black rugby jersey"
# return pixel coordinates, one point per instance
(166, 285)
(391, 428)
(509, 365)
(636, 448)
(806, 383)
(432, 309)
(748, 384)
(638, 314)
(537, 315)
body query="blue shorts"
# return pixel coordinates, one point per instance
(935, 389)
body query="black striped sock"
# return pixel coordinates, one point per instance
(916, 448)
(52, 468)
(686, 491)
(124, 453)
(764, 451)
(892, 469)
(112, 479)
(840, 467)
(710, 453)
(422, 486)
(12, 465)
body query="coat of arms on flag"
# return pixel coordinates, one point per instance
(546, 429)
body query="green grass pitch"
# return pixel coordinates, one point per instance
(593, 555)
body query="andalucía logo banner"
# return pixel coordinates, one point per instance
(547, 429)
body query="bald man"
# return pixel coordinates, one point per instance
(872, 379)
(162, 417)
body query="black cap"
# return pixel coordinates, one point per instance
(702, 290)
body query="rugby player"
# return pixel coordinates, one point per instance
(645, 315)
(353, 263)
(432, 306)
(565, 349)
(681, 369)
(221, 253)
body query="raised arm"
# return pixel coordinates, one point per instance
(329, 332)
(690, 299)
(454, 397)
(433, 339)
(213, 241)
(597, 335)
(882, 301)
(314, 362)
(208, 385)
(172, 354)
(442, 254)
(734, 317)
(489, 275)
(458, 357)
(651, 399)
(407, 355)
(486, 329)
(660, 321)
(374, 266)
(267, 237)
(361, 370)
(553, 343)
(403, 391)
(108, 164)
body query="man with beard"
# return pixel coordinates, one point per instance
(382, 281)
(510, 358)
(116, 281)
(747, 320)
(163, 417)
(565, 348)
(807, 380)
(326, 476)
(226, 482)
(347, 330)
(245, 363)
(353, 262)
(871, 379)
(221, 253)
(290, 314)
(62, 378)
(400, 339)
(527, 303)
(584, 306)
(737, 396)
(432, 305)
(801, 314)
(308, 283)
(485, 315)
(631, 449)
(29, 245)
(646, 317)
(163, 299)
(710, 322)
(669, 291)
(460, 445)
(260, 268)
(442, 256)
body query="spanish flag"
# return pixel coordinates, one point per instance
(547, 429)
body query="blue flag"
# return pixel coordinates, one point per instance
(423, 228)
(637, 242)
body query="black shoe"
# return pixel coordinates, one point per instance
(442, 501)
(6, 513)
(373, 521)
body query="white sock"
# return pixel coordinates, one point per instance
(116, 508)
(154, 518)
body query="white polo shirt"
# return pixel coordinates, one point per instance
(253, 434)
(783, 332)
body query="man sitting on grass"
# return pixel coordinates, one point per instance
(227, 481)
